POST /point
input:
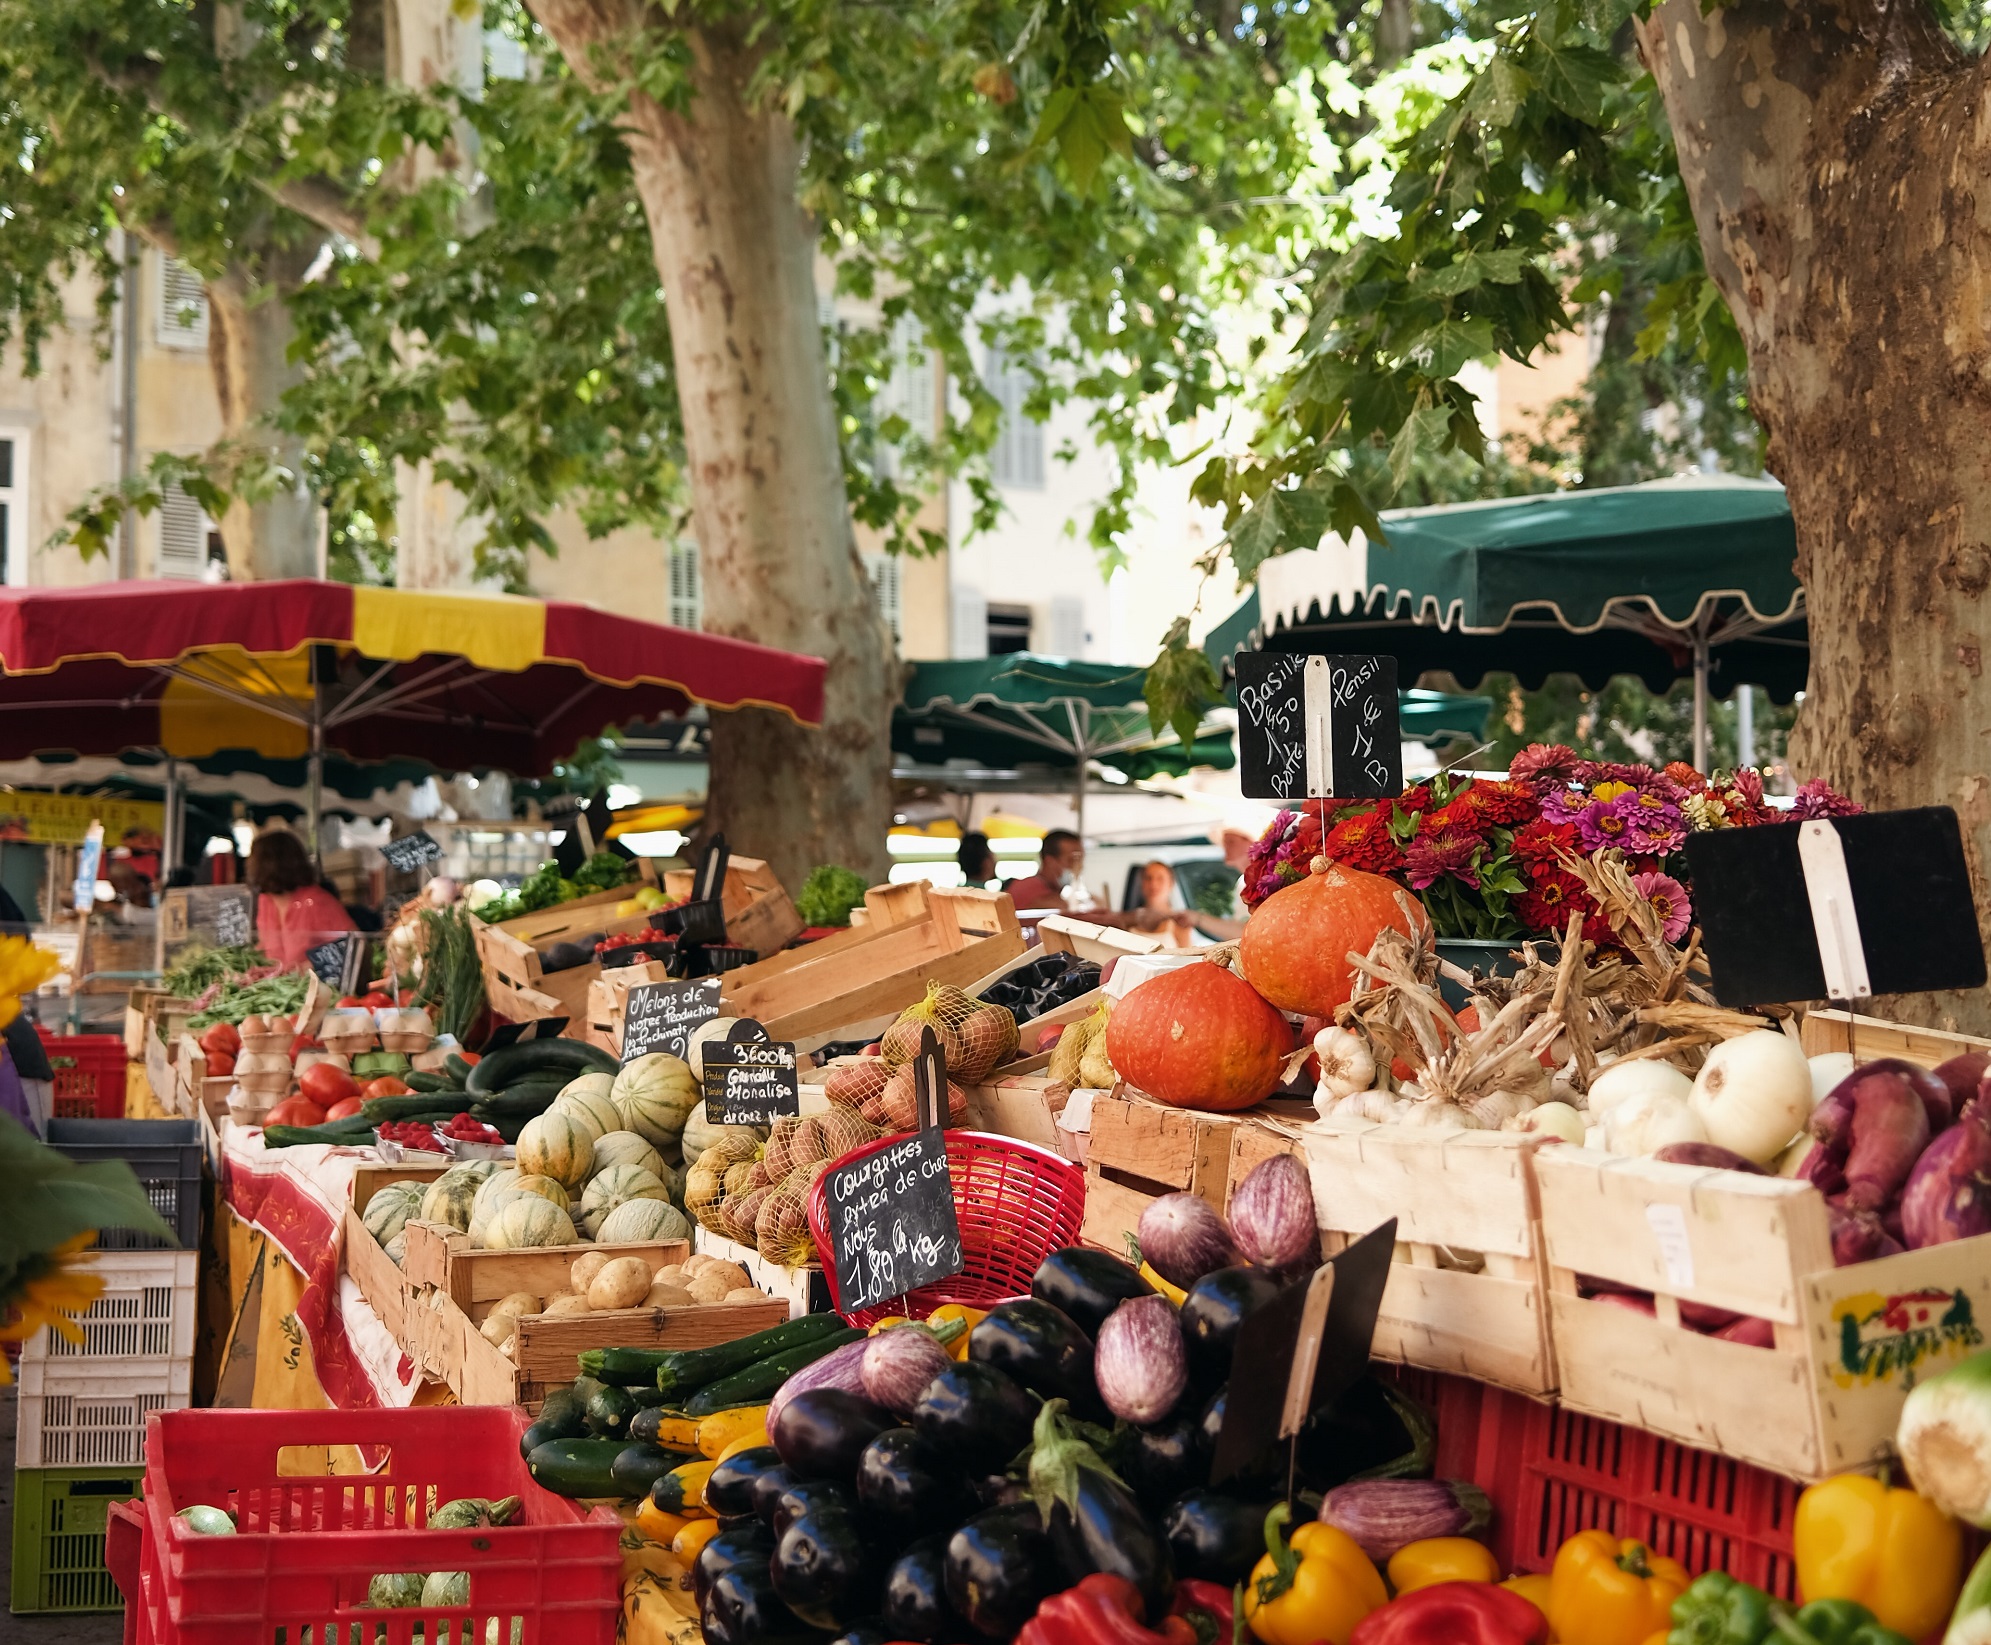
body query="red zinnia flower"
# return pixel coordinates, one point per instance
(1500, 804)
(1545, 765)
(1427, 860)
(1364, 841)
(1541, 840)
(1685, 775)
(1552, 893)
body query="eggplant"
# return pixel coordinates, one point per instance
(741, 1545)
(1373, 1431)
(1161, 1462)
(823, 1570)
(915, 1604)
(1102, 1528)
(1087, 1285)
(1386, 1515)
(1263, 1469)
(998, 1491)
(902, 1478)
(974, 1415)
(729, 1488)
(999, 1569)
(1217, 1305)
(1042, 1348)
(821, 1434)
(769, 1483)
(742, 1608)
(1215, 1537)
(806, 1496)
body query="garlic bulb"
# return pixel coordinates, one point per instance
(1346, 1063)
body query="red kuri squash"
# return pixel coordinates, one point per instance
(1297, 941)
(1199, 1037)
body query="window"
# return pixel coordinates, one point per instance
(910, 393)
(13, 508)
(883, 570)
(182, 317)
(1066, 624)
(1018, 458)
(1009, 629)
(687, 601)
(187, 538)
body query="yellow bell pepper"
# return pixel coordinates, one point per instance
(1606, 1592)
(970, 1317)
(1436, 1559)
(1534, 1588)
(1316, 1587)
(1894, 1552)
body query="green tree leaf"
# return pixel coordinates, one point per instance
(1181, 685)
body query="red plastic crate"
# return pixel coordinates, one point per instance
(307, 1545)
(89, 1076)
(1552, 1473)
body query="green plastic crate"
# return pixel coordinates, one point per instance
(59, 1516)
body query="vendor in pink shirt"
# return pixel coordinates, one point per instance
(294, 913)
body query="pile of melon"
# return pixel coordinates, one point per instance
(600, 1283)
(604, 1163)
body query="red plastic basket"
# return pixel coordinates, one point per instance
(89, 1076)
(1551, 1473)
(309, 1543)
(1017, 1203)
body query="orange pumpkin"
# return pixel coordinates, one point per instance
(1297, 941)
(1199, 1037)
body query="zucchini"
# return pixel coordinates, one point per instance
(457, 1069)
(655, 1427)
(417, 1103)
(526, 1100)
(683, 1488)
(675, 1370)
(418, 1080)
(638, 1467)
(547, 1059)
(355, 1128)
(577, 1467)
(757, 1383)
(567, 1409)
(609, 1411)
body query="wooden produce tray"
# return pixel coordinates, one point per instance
(1869, 1038)
(512, 953)
(608, 1002)
(1467, 1289)
(758, 912)
(385, 1287)
(152, 1014)
(452, 1290)
(1030, 1108)
(870, 973)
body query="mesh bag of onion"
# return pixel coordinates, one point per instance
(974, 1036)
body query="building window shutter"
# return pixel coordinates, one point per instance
(883, 570)
(182, 317)
(1066, 623)
(687, 600)
(1018, 457)
(183, 529)
(13, 514)
(912, 376)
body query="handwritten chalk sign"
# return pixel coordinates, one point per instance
(337, 963)
(1318, 726)
(216, 916)
(893, 1225)
(750, 1079)
(661, 1015)
(410, 852)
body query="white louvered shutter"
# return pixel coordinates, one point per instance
(687, 599)
(182, 317)
(183, 529)
(884, 572)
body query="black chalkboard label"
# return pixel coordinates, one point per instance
(337, 963)
(1318, 726)
(661, 1015)
(893, 1226)
(750, 1079)
(411, 851)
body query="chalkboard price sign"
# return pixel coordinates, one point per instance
(217, 916)
(1313, 727)
(750, 1079)
(661, 1015)
(337, 962)
(892, 1220)
(410, 852)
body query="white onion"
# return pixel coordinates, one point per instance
(1636, 1077)
(1647, 1123)
(1753, 1094)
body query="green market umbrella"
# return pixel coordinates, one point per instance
(1649, 580)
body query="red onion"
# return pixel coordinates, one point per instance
(1272, 1214)
(1949, 1192)
(1705, 1318)
(1139, 1361)
(1871, 1129)
(1182, 1239)
(1751, 1332)
(1707, 1154)
(1858, 1236)
(841, 1368)
(898, 1364)
(1961, 1077)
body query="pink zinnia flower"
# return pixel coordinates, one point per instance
(1542, 764)
(1658, 827)
(1817, 799)
(1601, 825)
(1669, 900)
(1428, 859)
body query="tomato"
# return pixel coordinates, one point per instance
(406, 997)
(343, 1110)
(295, 1111)
(219, 1063)
(470, 1058)
(304, 1042)
(349, 1001)
(325, 1082)
(388, 1086)
(222, 1037)
(376, 1001)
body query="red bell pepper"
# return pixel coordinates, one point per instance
(1101, 1610)
(1454, 1613)
(1207, 1608)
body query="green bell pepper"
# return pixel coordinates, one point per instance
(1718, 1610)
(1833, 1622)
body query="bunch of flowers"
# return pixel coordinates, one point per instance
(1490, 857)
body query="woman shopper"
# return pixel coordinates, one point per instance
(294, 913)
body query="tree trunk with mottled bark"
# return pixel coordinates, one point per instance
(1837, 154)
(777, 556)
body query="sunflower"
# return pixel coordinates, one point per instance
(23, 969)
(49, 1288)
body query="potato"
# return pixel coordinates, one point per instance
(668, 1296)
(697, 1263)
(567, 1307)
(710, 1287)
(499, 1329)
(586, 1266)
(745, 1293)
(676, 1274)
(732, 1273)
(622, 1283)
(518, 1302)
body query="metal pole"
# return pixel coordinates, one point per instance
(1745, 725)
(171, 834)
(316, 782)
(1700, 699)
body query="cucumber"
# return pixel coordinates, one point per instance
(674, 1370)
(637, 1467)
(609, 1411)
(457, 1069)
(526, 1100)
(547, 1059)
(577, 1467)
(418, 1080)
(418, 1103)
(757, 1383)
(355, 1128)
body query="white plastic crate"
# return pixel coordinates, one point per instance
(96, 1418)
(145, 1313)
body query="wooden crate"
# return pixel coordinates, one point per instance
(1466, 1292)
(1029, 1108)
(1869, 1038)
(758, 912)
(453, 1288)
(608, 1002)
(512, 951)
(867, 975)
(1849, 1342)
(1061, 933)
(385, 1287)
(151, 1014)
